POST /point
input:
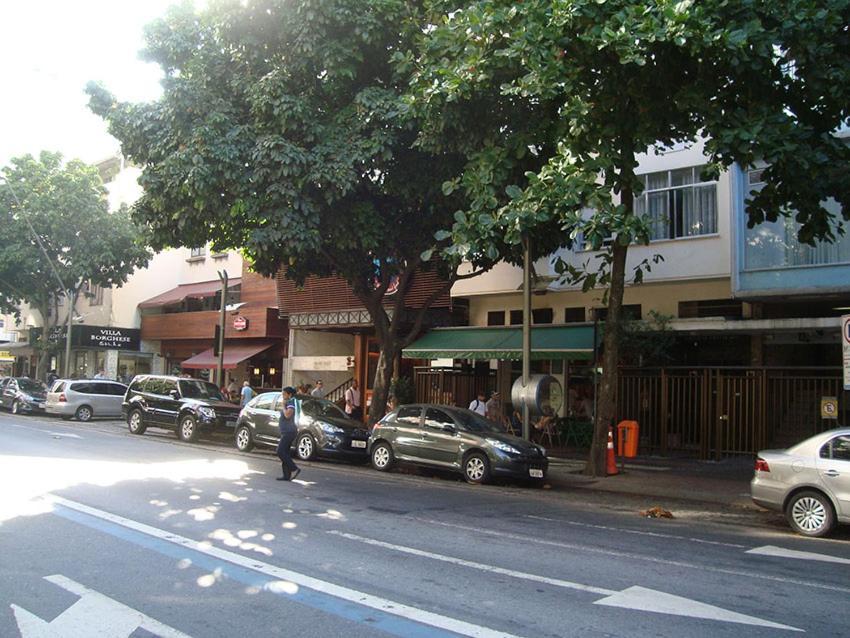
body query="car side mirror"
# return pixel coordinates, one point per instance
(174, 394)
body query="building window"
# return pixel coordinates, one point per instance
(678, 204)
(516, 317)
(196, 253)
(775, 244)
(95, 294)
(542, 315)
(630, 312)
(728, 308)
(573, 315)
(496, 318)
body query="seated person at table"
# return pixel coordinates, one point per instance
(545, 423)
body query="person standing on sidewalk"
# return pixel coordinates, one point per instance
(352, 401)
(247, 394)
(286, 423)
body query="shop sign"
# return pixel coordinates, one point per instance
(6, 356)
(106, 337)
(327, 364)
(240, 323)
(845, 345)
(828, 408)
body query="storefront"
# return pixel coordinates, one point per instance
(115, 351)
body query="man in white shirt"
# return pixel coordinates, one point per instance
(352, 401)
(479, 404)
(319, 390)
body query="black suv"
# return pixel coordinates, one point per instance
(188, 406)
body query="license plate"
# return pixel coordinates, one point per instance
(535, 473)
(358, 444)
(40, 406)
(231, 423)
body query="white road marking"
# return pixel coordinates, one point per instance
(557, 582)
(65, 435)
(662, 603)
(781, 552)
(626, 530)
(92, 616)
(587, 549)
(302, 580)
(638, 598)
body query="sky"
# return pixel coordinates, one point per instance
(49, 50)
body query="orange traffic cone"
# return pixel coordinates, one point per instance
(612, 460)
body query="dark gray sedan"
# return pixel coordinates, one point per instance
(323, 429)
(22, 395)
(809, 482)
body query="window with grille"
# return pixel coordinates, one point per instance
(678, 204)
(200, 251)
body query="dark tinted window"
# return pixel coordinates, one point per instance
(409, 414)
(82, 388)
(496, 318)
(474, 422)
(30, 386)
(138, 385)
(58, 386)
(170, 384)
(841, 448)
(542, 315)
(196, 389)
(117, 389)
(437, 419)
(317, 408)
(155, 385)
(574, 315)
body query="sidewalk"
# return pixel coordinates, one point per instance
(683, 486)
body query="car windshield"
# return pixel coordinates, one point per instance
(31, 387)
(317, 408)
(473, 422)
(196, 389)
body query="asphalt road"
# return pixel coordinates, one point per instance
(107, 534)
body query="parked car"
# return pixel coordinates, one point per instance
(455, 439)
(22, 395)
(809, 482)
(187, 406)
(85, 399)
(323, 429)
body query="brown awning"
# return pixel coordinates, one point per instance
(188, 291)
(233, 356)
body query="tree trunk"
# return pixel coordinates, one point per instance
(43, 349)
(383, 378)
(606, 408)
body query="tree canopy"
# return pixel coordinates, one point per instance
(759, 81)
(58, 236)
(282, 132)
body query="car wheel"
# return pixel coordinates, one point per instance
(136, 423)
(382, 457)
(305, 447)
(810, 514)
(16, 407)
(244, 440)
(84, 413)
(476, 468)
(188, 429)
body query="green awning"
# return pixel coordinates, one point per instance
(547, 342)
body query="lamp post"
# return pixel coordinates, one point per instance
(70, 324)
(526, 332)
(222, 275)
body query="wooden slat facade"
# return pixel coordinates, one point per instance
(263, 322)
(331, 294)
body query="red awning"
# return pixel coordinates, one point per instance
(188, 291)
(233, 356)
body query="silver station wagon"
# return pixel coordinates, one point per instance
(85, 399)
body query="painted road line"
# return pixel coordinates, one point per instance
(636, 598)
(282, 580)
(92, 615)
(588, 549)
(626, 530)
(781, 552)
(557, 582)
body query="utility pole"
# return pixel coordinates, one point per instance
(70, 324)
(526, 333)
(222, 275)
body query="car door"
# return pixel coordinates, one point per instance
(406, 429)
(98, 397)
(264, 418)
(440, 441)
(4, 383)
(156, 400)
(116, 398)
(170, 402)
(834, 470)
(9, 393)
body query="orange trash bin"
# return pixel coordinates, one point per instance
(627, 438)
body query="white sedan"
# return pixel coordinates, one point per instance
(809, 482)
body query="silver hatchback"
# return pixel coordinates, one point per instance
(84, 399)
(809, 482)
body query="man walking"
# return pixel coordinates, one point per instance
(248, 394)
(493, 408)
(288, 429)
(352, 402)
(478, 404)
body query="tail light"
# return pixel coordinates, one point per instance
(762, 466)
(62, 398)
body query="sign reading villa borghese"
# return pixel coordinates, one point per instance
(99, 337)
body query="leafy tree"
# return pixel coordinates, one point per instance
(59, 236)
(759, 81)
(282, 132)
